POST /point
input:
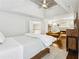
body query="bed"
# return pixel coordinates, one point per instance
(10, 49)
(26, 47)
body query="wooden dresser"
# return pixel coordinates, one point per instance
(72, 40)
(73, 36)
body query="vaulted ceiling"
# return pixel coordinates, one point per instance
(32, 7)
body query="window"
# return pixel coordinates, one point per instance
(35, 27)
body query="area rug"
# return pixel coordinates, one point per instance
(56, 53)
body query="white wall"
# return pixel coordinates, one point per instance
(11, 24)
(14, 23)
(65, 21)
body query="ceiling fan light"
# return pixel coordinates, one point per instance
(44, 6)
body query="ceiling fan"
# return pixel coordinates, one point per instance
(45, 3)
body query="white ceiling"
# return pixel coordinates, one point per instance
(68, 5)
(30, 8)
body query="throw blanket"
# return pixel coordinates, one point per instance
(47, 40)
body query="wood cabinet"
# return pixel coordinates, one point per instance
(73, 36)
(72, 39)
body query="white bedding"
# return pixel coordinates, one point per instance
(31, 46)
(10, 49)
(22, 47)
(47, 40)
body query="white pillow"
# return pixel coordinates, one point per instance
(32, 35)
(2, 37)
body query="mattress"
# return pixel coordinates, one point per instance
(31, 46)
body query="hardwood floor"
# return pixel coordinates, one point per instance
(72, 55)
(62, 44)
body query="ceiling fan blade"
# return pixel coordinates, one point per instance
(51, 3)
(37, 2)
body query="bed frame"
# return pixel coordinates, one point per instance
(41, 54)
